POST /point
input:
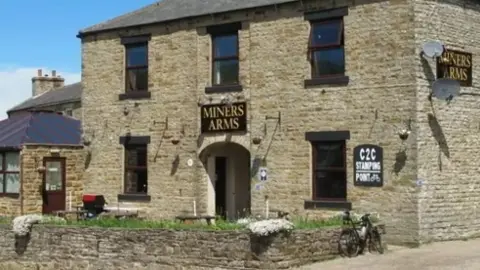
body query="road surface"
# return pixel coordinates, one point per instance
(458, 255)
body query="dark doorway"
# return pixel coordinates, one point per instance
(220, 186)
(53, 185)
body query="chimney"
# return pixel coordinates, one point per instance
(44, 83)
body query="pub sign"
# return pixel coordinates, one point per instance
(455, 65)
(224, 117)
(368, 165)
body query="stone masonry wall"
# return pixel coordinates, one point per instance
(448, 138)
(32, 158)
(379, 46)
(96, 248)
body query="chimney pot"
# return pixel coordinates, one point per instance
(39, 72)
(54, 73)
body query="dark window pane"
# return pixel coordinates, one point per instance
(137, 79)
(137, 55)
(329, 155)
(136, 181)
(327, 33)
(330, 185)
(225, 72)
(136, 156)
(328, 62)
(225, 46)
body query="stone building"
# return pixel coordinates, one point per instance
(245, 104)
(49, 93)
(41, 163)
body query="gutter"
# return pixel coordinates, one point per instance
(81, 34)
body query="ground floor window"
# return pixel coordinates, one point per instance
(9, 172)
(329, 170)
(136, 170)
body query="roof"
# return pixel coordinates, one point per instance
(66, 94)
(39, 128)
(169, 10)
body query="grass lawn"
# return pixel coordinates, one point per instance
(299, 223)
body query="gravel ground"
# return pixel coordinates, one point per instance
(458, 255)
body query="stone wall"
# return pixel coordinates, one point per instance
(379, 47)
(32, 159)
(448, 139)
(96, 248)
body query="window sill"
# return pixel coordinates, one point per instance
(10, 195)
(334, 80)
(338, 205)
(223, 88)
(134, 197)
(135, 95)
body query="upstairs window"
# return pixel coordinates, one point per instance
(136, 67)
(225, 59)
(326, 48)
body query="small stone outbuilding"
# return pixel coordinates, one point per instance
(41, 163)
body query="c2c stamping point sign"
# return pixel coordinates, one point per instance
(368, 165)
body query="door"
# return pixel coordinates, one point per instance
(220, 186)
(53, 185)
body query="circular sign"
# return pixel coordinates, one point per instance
(190, 162)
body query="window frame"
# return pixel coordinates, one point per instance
(129, 42)
(316, 17)
(134, 168)
(139, 67)
(312, 48)
(215, 31)
(315, 170)
(132, 141)
(4, 173)
(225, 58)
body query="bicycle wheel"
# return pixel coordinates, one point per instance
(348, 244)
(375, 242)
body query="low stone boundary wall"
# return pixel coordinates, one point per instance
(57, 247)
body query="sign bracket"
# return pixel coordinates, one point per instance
(278, 118)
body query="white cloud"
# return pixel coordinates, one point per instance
(16, 85)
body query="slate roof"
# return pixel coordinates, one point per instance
(39, 128)
(168, 10)
(66, 94)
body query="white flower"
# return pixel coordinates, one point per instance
(245, 221)
(270, 226)
(23, 224)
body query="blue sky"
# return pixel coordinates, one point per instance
(42, 34)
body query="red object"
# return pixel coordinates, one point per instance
(89, 198)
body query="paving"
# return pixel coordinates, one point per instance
(458, 255)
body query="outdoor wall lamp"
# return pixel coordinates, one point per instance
(405, 132)
(256, 140)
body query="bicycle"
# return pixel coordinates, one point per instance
(357, 238)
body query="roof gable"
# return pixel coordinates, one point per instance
(168, 10)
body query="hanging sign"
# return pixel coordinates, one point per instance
(455, 65)
(368, 165)
(224, 118)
